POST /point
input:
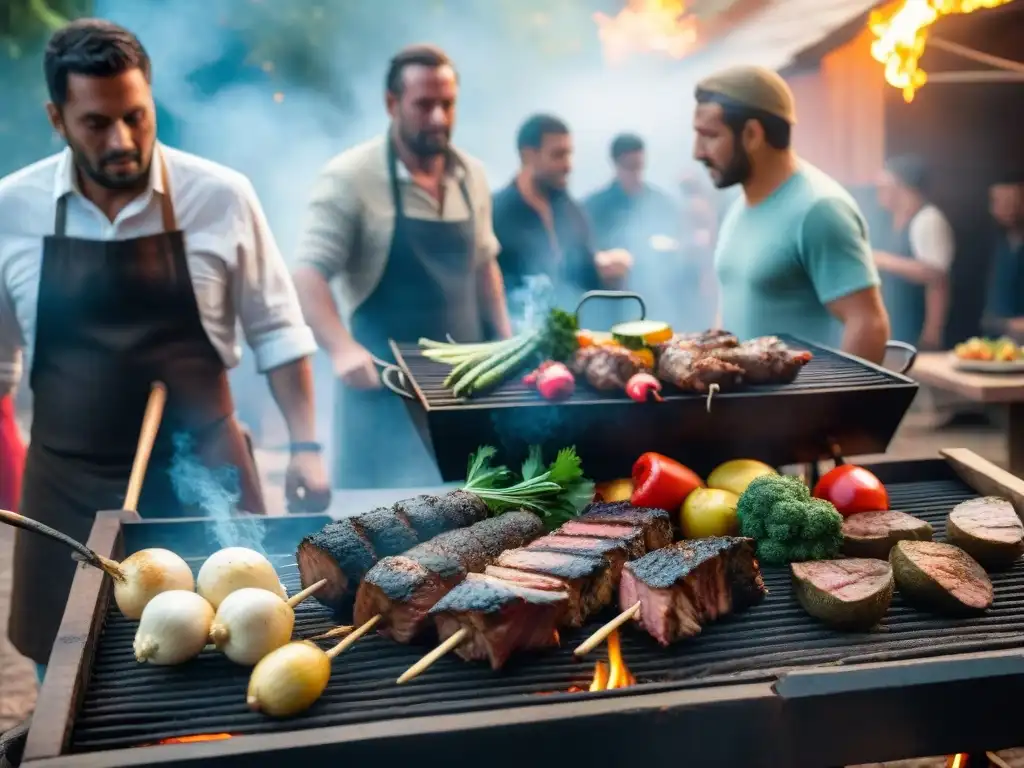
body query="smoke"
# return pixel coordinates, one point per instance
(213, 493)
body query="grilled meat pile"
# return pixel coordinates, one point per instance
(402, 588)
(559, 580)
(607, 367)
(693, 362)
(684, 586)
(344, 550)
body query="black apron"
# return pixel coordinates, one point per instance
(429, 289)
(112, 317)
(904, 299)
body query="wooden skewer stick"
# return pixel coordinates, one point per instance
(144, 449)
(348, 641)
(602, 634)
(299, 597)
(342, 631)
(427, 661)
(78, 550)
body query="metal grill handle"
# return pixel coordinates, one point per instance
(905, 353)
(399, 385)
(612, 295)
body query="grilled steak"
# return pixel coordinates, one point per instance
(606, 367)
(613, 551)
(853, 593)
(589, 581)
(987, 529)
(694, 370)
(713, 338)
(694, 363)
(656, 523)
(765, 361)
(402, 588)
(343, 551)
(873, 534)
(691, 583)
(940, 577)
(501, 617)
(631, 537)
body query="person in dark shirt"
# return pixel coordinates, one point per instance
(1004, 306)
(638, 217)
(547, 248)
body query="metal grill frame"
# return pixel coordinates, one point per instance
(807, 717)
(780, 425)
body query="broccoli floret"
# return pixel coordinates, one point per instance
(788, 525)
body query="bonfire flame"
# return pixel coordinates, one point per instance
(647, 26)
(613, 673)
(901, 33)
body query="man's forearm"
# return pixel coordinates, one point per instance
(292, 387)
(866, 337)
(909, 269)
(321, 311)
(491, 287)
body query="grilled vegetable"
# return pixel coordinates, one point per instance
(146, 574)
(288, 680)
(236, 568)
(556, 382)
(173, 629)
(638, 334)
(852, 489)
(789, 526)
(643, 386)
(662, 483)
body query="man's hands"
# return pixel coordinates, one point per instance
(354, 366)
(614, 264)
(306, 488)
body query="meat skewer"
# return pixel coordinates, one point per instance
(523, 599)
(399, 590)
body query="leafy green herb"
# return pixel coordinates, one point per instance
(557, 492)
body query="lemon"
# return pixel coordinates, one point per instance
(709, 512)
(736, 475)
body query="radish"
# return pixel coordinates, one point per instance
(555, 382)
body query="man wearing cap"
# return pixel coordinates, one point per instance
(915, 255)
(792, 254)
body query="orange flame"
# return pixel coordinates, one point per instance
(647, 26)
(199, 737)
(901, 33)
(614, 673)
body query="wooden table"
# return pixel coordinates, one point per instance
(935, 369)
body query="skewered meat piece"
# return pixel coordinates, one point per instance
(403, 588)
(613, 551)
(694, 370)
(502, 617)
(691, 583)
(344, 550)
(607, 367)
(655, 523)
(589, 582)
(713, 338)
(765, 361)
(630, 536)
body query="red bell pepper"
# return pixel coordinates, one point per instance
(662, 483)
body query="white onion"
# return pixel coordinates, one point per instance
(250, 623)
(175, 627)
(236, 568)
(146, 574)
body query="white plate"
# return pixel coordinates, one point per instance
(986, 366)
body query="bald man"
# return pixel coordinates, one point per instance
(792, 254)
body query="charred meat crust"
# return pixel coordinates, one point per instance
(656, 523)
(631, 537)
(339, 553)
(694, 363)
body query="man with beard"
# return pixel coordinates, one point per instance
(403, 222)
(792, 254)
(914, 253)
(543, 232)
(124, 262)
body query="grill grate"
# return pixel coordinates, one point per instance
(127, 704)
(827, 371)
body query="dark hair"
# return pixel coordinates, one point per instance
(91, 47)
(625, 144)
(422, 55)
(532, 132)
(777, 132)
(911, 171)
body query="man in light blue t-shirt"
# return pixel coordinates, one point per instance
(793, 254)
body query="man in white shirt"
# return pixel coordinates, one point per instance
(124, 262)
(915, 256)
